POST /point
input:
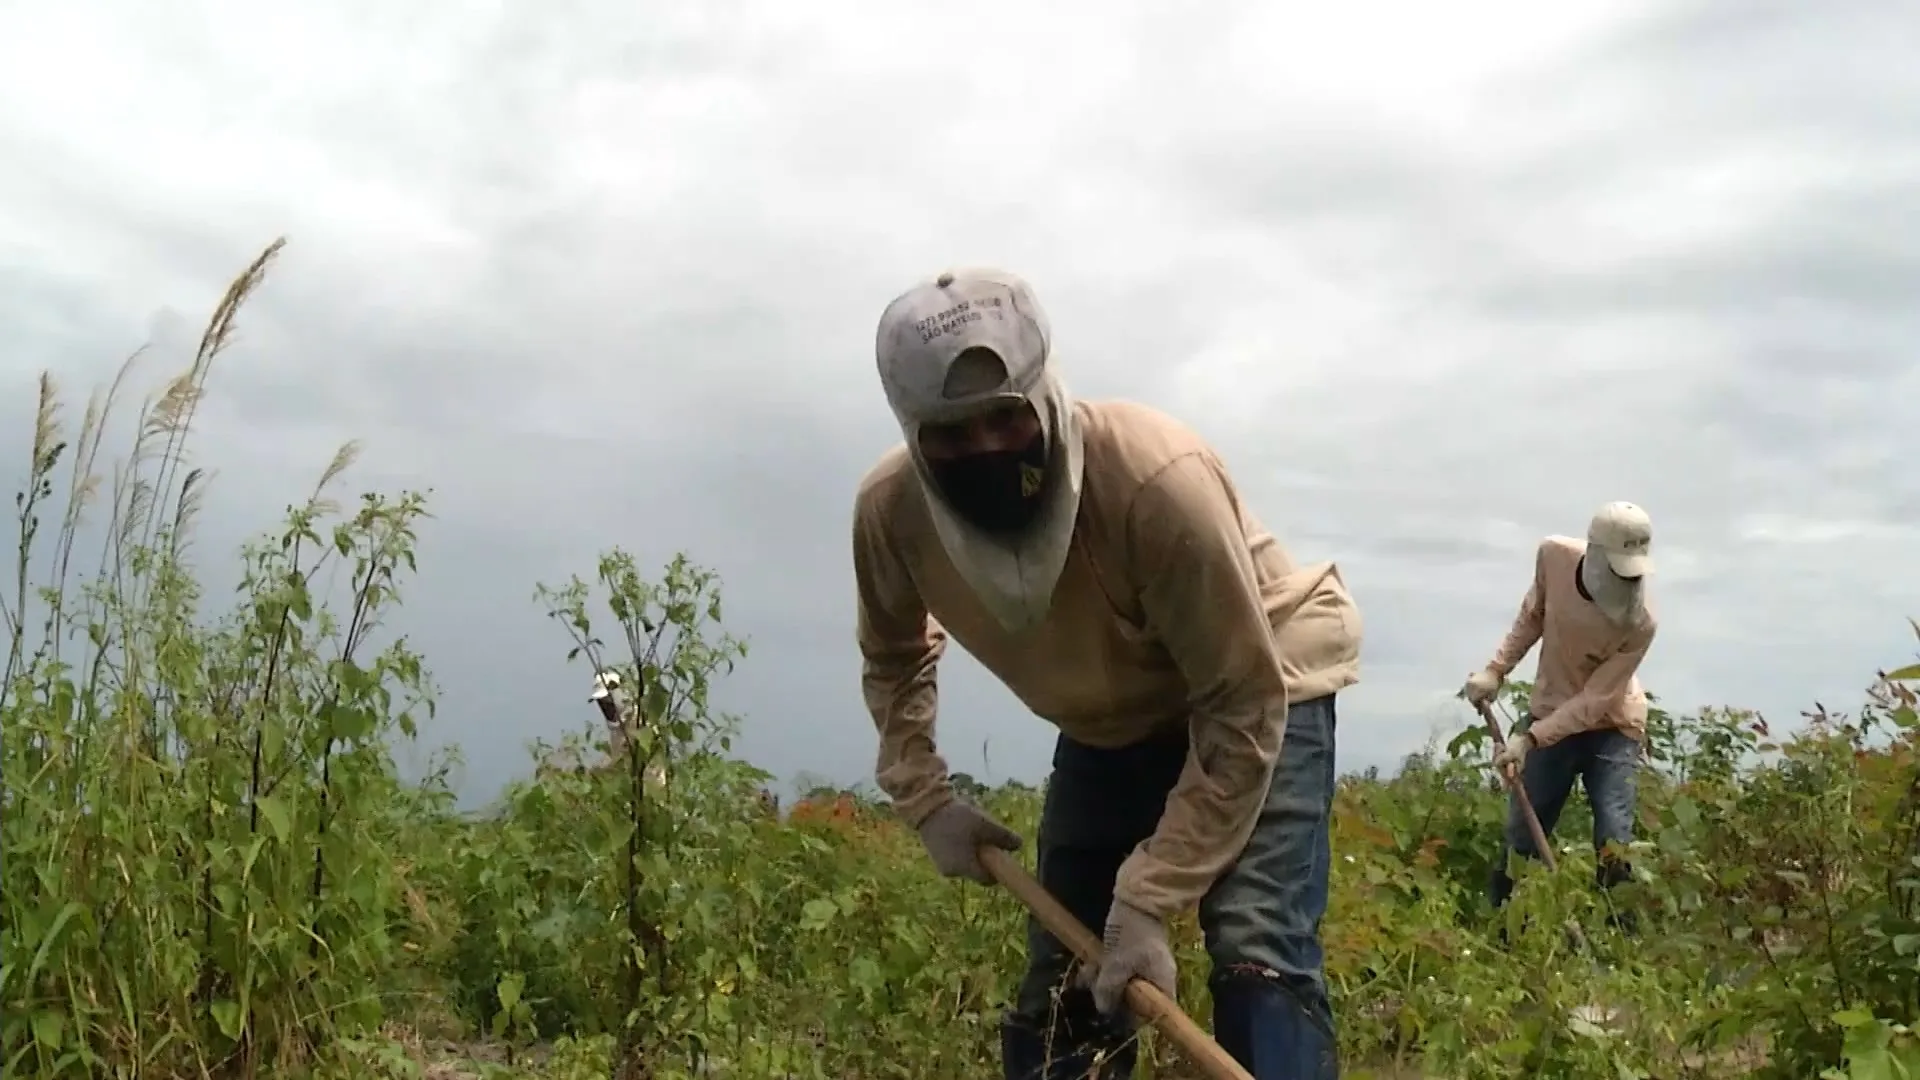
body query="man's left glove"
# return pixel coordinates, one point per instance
(1133, 947)
(953, 835)
(1515, 753)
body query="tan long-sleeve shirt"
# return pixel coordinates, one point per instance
(1175, 606)
(1587, 677)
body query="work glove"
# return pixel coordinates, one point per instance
(1515, 752)
(953, 835)
(1481, 686)
(1133, 947)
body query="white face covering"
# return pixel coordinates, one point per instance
(1620, 599)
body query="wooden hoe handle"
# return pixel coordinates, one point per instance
(1519, 790)
(1143, 998)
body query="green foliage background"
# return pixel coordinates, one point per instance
(210, 866)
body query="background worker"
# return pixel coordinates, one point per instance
(1587, 715)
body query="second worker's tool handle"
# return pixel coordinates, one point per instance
(1519, 789)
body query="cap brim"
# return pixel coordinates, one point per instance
(969, 407)
(1630, 566)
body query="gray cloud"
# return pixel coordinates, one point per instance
(1436, 285)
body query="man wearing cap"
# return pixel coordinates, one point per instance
(1097, 558)
(1587, 609)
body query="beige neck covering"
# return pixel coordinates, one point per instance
(1014, 578)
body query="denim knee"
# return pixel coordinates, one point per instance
(1275, 933)
(1613, 813)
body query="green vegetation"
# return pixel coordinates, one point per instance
(212, 868)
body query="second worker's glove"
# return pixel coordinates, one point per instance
(1515, 753)
(1481, 686)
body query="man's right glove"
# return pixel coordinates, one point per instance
(953, 835)
(1515, 754)
(1134, 947)
(1481, 686)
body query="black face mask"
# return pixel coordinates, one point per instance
(997, 492)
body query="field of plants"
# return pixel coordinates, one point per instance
(212, 867)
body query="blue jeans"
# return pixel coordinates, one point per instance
(1261, 918)
(1607, 762)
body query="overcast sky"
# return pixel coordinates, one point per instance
(1437, 280)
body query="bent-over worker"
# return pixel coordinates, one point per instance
(1097, 558)
(1587, 715)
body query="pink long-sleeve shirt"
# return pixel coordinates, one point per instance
(1587, 676)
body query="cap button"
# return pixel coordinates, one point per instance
(945, 279)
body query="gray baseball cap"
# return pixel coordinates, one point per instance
(925, 328)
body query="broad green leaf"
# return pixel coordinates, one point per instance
(274, 812)
(47, 941)
(227, 1015)
(49, 1028)
(817, 914)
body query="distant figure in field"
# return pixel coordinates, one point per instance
(607, 698)
(618, 712)
(1587, 718)
(1098, 559)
